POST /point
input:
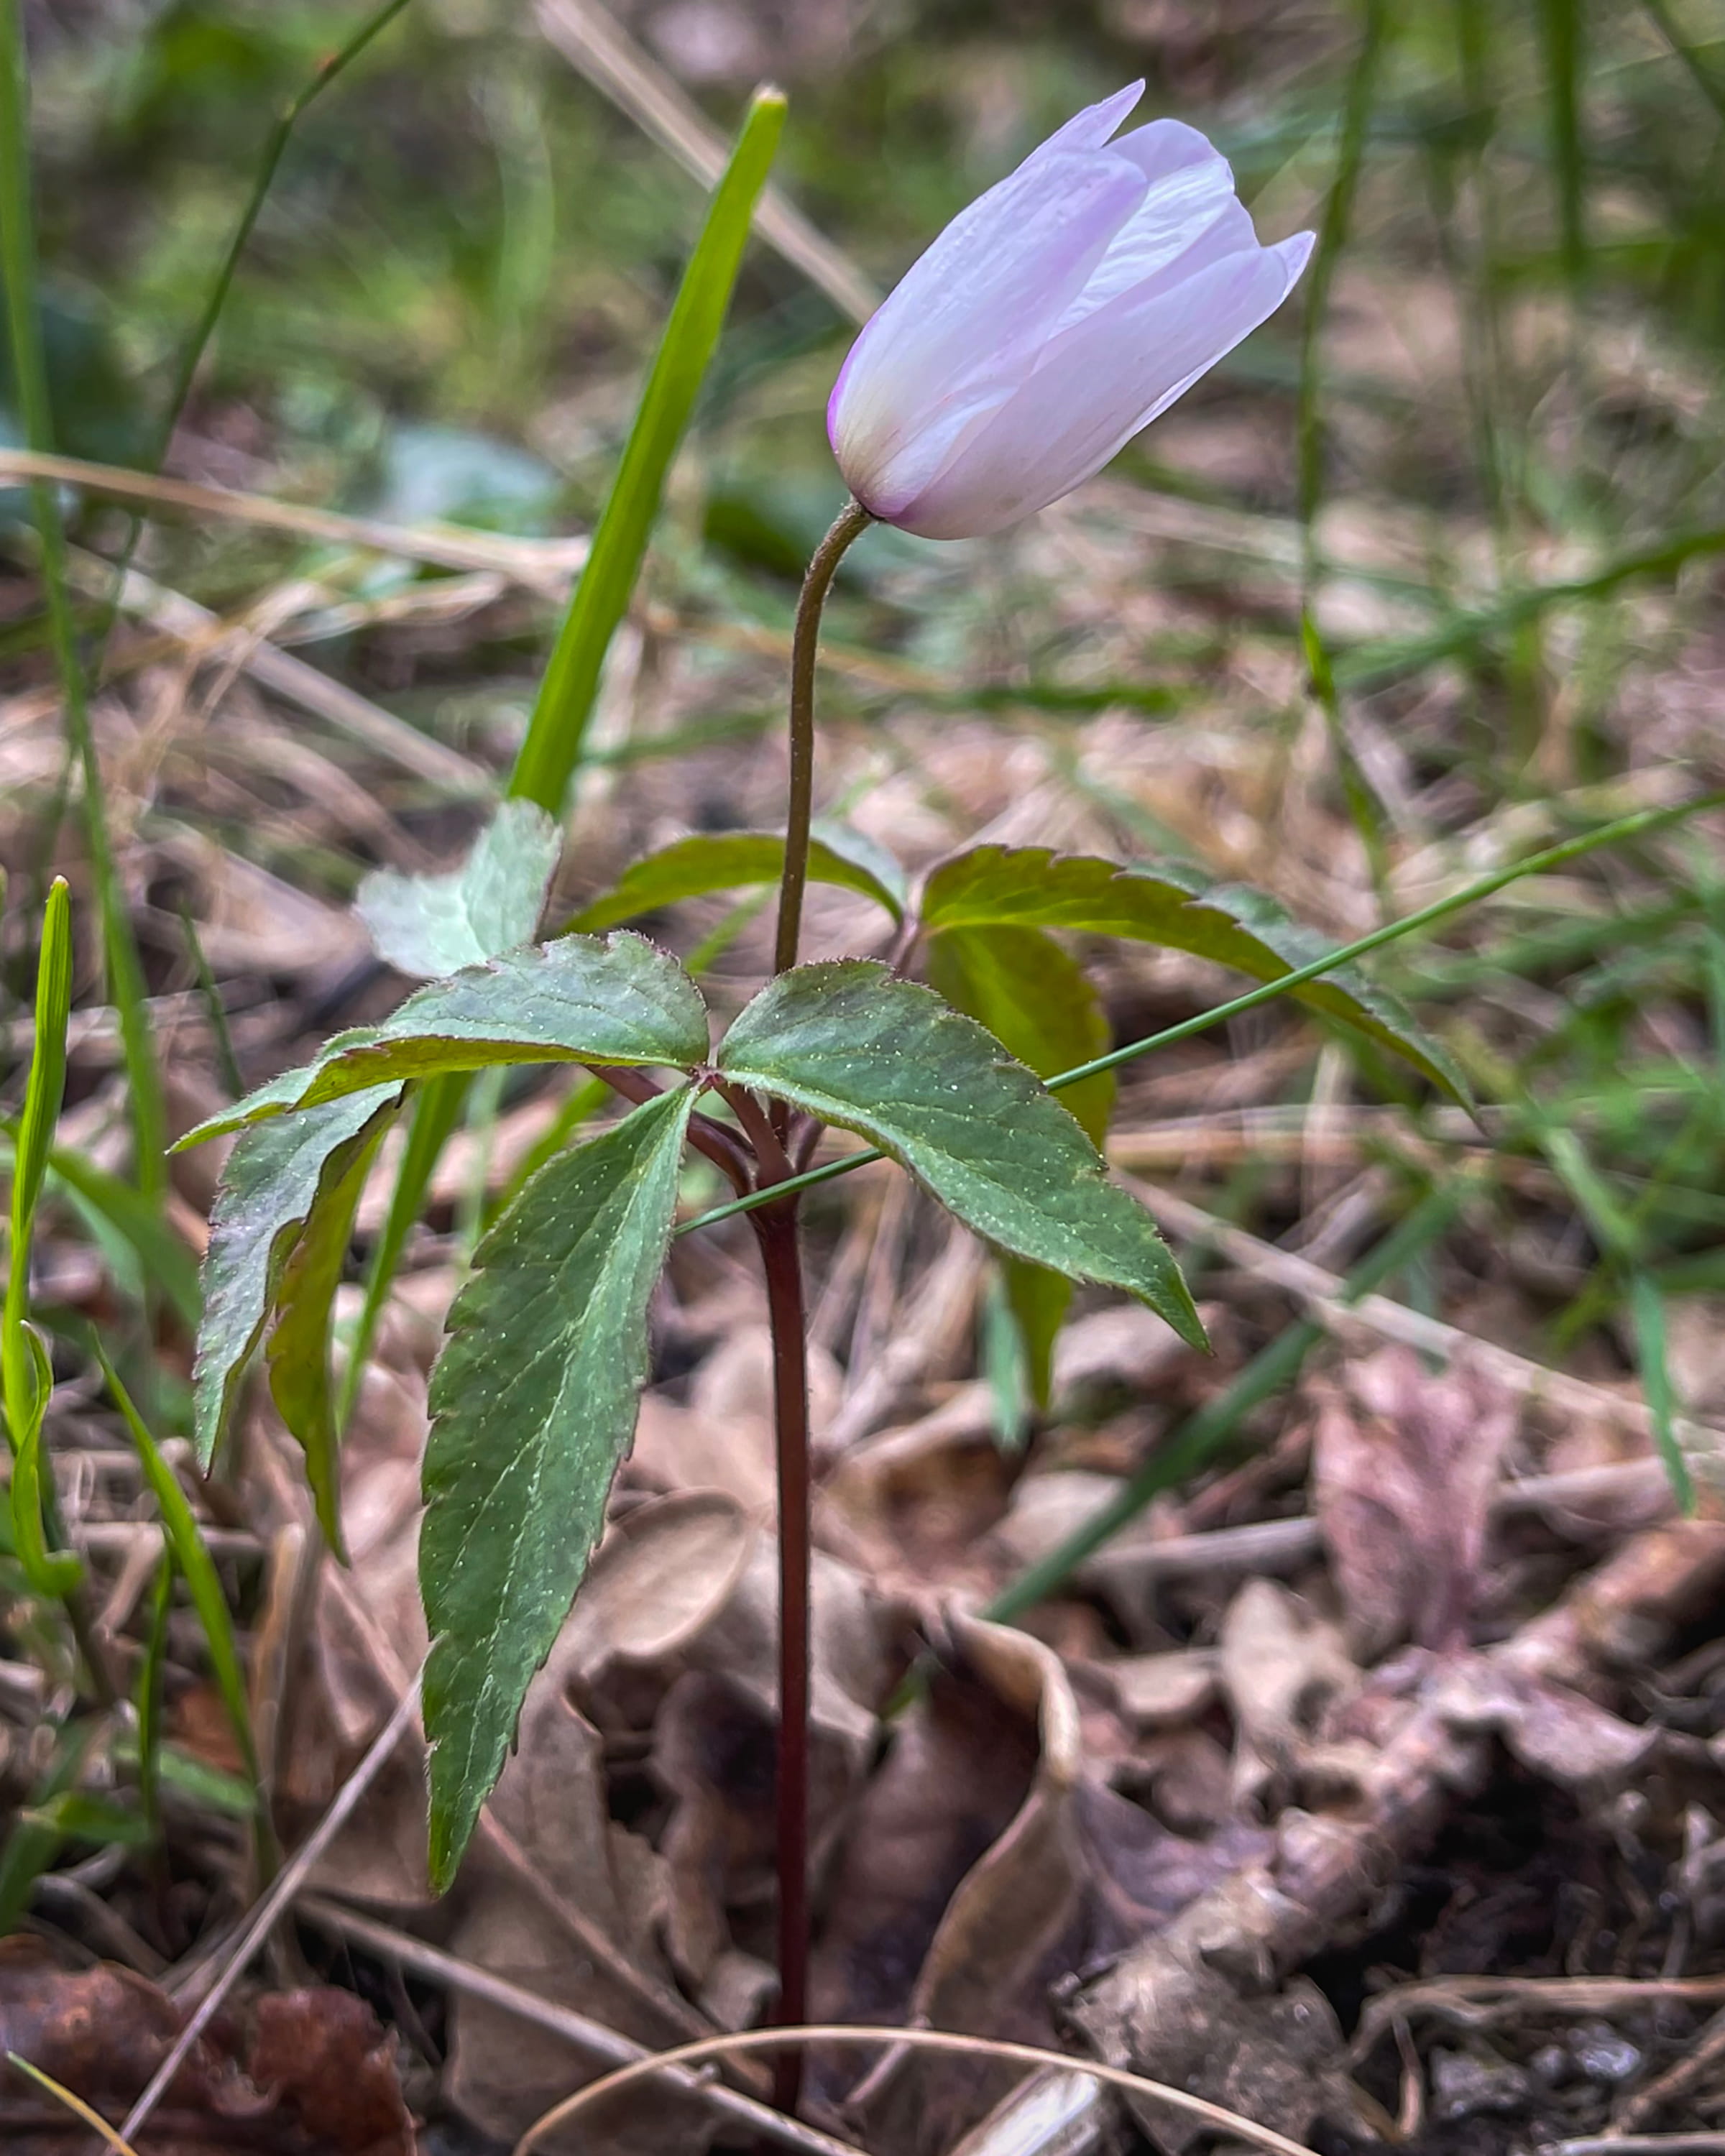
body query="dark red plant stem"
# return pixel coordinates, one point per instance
(776, 1230)
(719, 1145)
(775, 1164)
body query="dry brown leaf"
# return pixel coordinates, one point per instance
(1158, 1692)
(553, 1798)
(1282, 1668)
(1555, 1732)
(1406, 1462)
(1061, 1870)
(318, 2077)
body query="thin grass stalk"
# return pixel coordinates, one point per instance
(1562, 39)
(203, 329)
(1363, 806)
(18, 271)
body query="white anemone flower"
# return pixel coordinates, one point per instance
(1051, 320)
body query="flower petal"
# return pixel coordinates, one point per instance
(1190, 186)
(1090, 129)
(1097, 385)
(960, 328)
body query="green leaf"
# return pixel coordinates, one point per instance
(729, 860)
(267, 1189)
(52, 1573)
(180, 1529)
(558, 726)
(434, 925)
(43, 1090)
(26, 1376)
(299, 1351)
(47, 1084)
(533, 1404)
(888, 1059)
(580, 999)
(1034, 998)
(1035, 887)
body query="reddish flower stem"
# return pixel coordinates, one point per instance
(776, 1231)
(775, 1226)
(851, 521)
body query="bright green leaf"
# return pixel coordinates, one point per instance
(267, 1189)
(52, 1573)
(1034, 998)
(887, 1058)
(580, 999)
(47, 1083)
(299, 1351)
(26, 1378)
(533, 1404)
(729, 860)
(558, 726)
(1035, 887)
(430, 926)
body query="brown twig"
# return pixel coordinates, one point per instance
(578, 2029)
(263, 1918)
(1215, 2116)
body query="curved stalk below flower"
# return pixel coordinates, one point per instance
(851, 521)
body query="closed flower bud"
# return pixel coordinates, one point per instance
(1049, 322)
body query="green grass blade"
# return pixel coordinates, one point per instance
(196, 1567)
(166, 1258)
(17, 272)
(1710, 86)
(553, 748)
(34, 1840)
(558, 727)
(192, 355)
(274, 145)
(26, 1380)
(214, 1009)
(1647, 1311)
(1363, 808)
(1563, 37)
(146, 1696)
(75, 2104)
(1331, 238)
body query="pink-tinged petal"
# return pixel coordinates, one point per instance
(1190, 185)
(952, 340)
(1096, 385)
(1091, 128)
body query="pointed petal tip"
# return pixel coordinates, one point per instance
(1296, 253)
